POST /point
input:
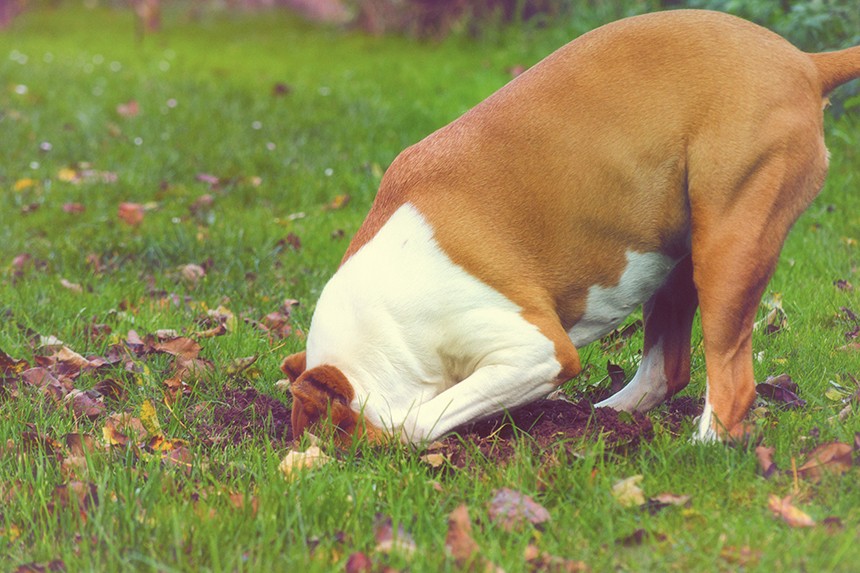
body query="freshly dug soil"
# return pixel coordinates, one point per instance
(241, 415)
(246, 414)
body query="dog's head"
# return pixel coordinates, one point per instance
(324, 394)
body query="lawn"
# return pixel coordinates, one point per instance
(171, 207)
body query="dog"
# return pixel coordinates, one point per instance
(658, 160)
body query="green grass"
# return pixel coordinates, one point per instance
(354, 103)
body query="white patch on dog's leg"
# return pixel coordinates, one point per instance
(706, 432)
(648, 387)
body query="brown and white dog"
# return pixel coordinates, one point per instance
(661, 159)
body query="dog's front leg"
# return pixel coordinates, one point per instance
(489, 390)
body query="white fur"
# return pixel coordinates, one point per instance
(648, 387)
(425, 345)
(607, 307)
(706, 432)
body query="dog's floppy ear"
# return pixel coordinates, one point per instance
(319, 393)
(293, 365)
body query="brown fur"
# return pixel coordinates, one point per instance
(708, 148)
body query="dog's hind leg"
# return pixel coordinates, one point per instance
(736, 239)
(665, 366)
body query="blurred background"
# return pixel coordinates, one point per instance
(810, 23)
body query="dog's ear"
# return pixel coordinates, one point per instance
(293, 365)
(321, 393)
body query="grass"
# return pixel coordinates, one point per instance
(204, 91)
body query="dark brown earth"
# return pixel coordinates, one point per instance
(246, 414)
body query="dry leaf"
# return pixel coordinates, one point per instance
(359, 563)
(459, 542)
(765, 460)
(783, 509)
(68, 356)
(73, 208)
(149, 418)
(667, 499)
(128, 109)
(834, 457)
(434, 460)
(389, 540)
(780, 389)
(294, 462)
(131, 213)
(84, 403)
(182, 347)
(339, 202)
(628, 493)
(191, 273)
(74, 287)
(512, 509)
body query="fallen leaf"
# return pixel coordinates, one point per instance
(212, 180)
(780, 389)
(179, 457)
(80, 444)
(776, 318)
(219, 330)
(54, 566)
(294, 463)
(765, 460)
(434, 460)
(239, 365)
(359, 563)
(512, 509)
(628, 493)
(123, 429)
(664, 500)
(339, 202)
(742, 556)
(11, 366)
(86, 403)
(131, 213)
(783, 509)
(458, 542)
(24, 183)
(74, 287)
(834, 457)
(292, 241)
(202, 204)
(183, 347)
(68, 356)
(73, 208)
(149, 418)
(83, 495)
(192, 273)
(129, 109)
(393, 540)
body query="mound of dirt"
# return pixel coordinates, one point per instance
(544, 424)
(246, 414)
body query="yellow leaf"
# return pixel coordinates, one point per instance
(149, 418)
(25, 183)
(67, 175)
(628, 493)
(295, 462)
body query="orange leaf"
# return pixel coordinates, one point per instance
(131, 213)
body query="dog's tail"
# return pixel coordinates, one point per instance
(836, 68)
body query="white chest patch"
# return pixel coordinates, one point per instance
(607, 307)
